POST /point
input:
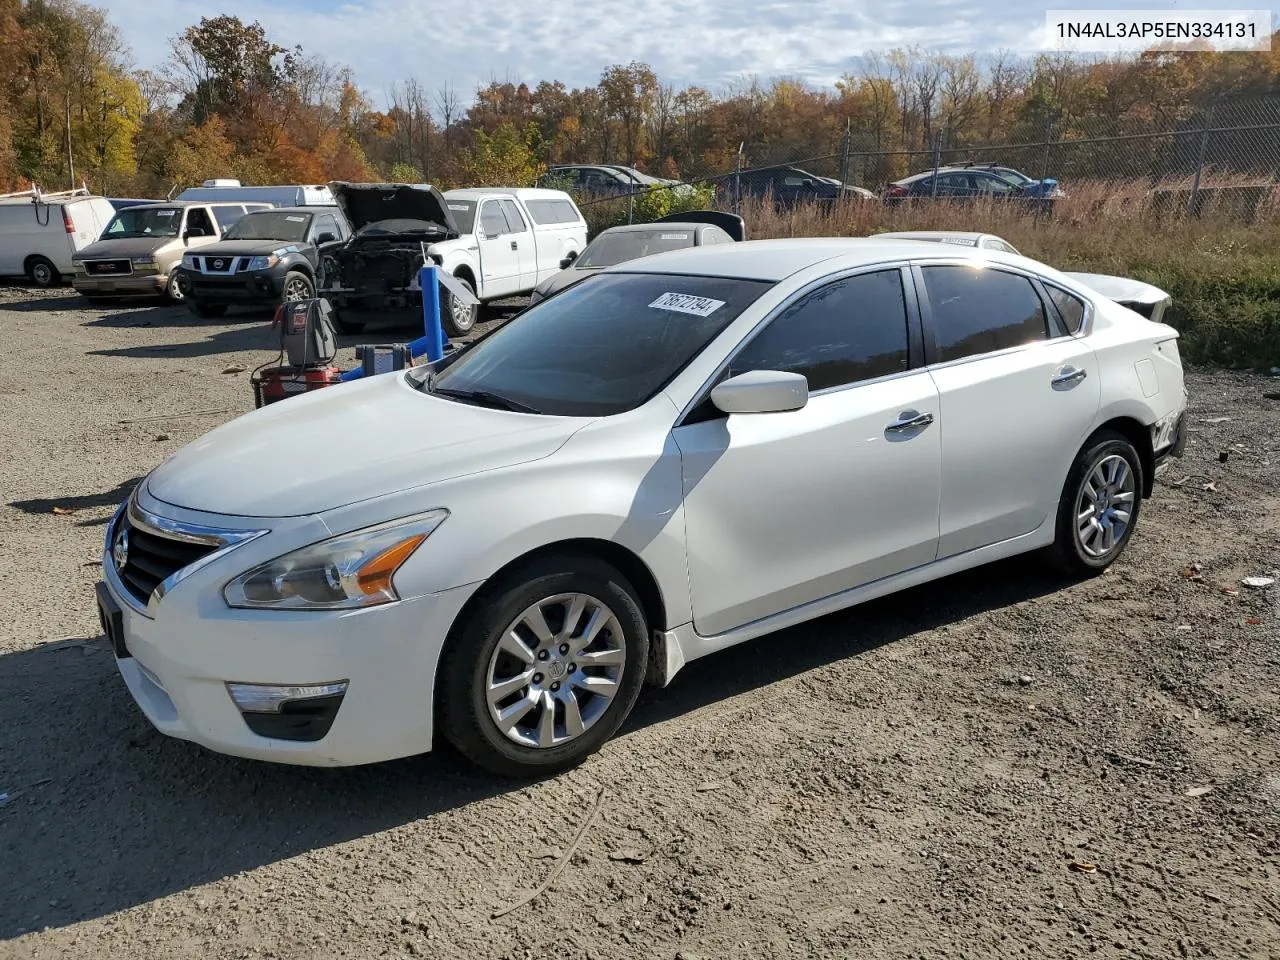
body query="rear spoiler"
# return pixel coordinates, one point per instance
(730, 223)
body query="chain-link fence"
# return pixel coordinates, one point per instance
(1227, 152)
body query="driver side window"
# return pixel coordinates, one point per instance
(198, 219)
(492, 221)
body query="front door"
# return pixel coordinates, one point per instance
(499, 253)
(786, 508)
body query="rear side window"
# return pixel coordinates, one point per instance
(1071, 308)
(546, 212)
(980, 311)
(851, 330)
(514, 220)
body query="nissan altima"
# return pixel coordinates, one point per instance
(677, 455)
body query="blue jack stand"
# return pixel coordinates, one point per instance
(380, 359)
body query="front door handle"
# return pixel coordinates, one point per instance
(910, 420)
(1068, 375)
(514, 245)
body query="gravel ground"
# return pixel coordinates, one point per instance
(928, 775)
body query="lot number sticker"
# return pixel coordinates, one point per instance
(687, 303)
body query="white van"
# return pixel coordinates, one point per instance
(289, 195)
(41, 232)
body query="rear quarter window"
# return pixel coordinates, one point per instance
(1070, 308)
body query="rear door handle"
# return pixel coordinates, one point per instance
(910, 420)
(1068, 375)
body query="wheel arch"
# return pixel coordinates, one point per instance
(463, 271)
(1138, 435)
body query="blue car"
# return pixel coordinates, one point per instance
(970, 181)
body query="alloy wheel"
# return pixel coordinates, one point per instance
(296, 288)
(1104, 506)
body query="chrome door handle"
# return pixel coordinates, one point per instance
(910, 421)
(1068, 375)
(514, 245)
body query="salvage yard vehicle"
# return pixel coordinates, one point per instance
(616, 245)
(962, 183)
(683, 453)
(139, 251)
(40, 233)
(1143, 298)
(496, 242)
(267, 257)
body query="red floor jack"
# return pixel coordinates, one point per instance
(306, 336)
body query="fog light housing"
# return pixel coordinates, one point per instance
(302, 712)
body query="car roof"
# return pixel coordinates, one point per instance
(777, 259)
(662, 227)
(938, 236)
(524, 193)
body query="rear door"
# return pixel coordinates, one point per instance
(528, 251)
(1017, 396)
(499, 252)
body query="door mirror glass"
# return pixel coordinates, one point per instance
(761, 391)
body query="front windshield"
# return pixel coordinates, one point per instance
(270, 225)
(610, 247)
(602, 347)
(463, 213)
(144, 222)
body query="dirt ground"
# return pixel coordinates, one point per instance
(930, 775)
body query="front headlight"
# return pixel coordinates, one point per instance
(143, 261)
(349, 571)
(263, 263)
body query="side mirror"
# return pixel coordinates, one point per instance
(567, 260)
(761, 391)
(326, 238)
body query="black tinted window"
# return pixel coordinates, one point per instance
(978, 311)
(853, 329)
(492, 220)
(198, 219)
(603, 346)
(1071, 308)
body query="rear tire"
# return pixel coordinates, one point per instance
(456, 319)
(474, 668)
(42, 272)
(1099, 507)
(206, 311)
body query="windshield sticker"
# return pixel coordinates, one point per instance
(296, 219)
(166, 213)
(687, 303)
(960, 241)
(675, 236)
(464, 207)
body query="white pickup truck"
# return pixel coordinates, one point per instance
(498, 242)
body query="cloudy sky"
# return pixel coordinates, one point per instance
(709, 42)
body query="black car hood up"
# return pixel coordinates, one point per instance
(366, 203)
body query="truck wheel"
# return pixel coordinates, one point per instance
(456, 318)
(297, 286)
(206, 311)
(42, 272)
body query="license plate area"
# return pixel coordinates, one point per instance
(112, 620)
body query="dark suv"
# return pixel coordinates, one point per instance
(791, 185)
(265, 258)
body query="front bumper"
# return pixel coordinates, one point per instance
(124, 285)
(178, 657)
(256, 286)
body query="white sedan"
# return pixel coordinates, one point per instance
(674, 456)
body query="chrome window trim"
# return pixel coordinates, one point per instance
(222, 539)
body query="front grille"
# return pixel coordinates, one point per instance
(220, 264)
(153, 558)
(107, 268)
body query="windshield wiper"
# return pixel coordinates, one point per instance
(483, 398)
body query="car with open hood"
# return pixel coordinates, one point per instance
(696, 228)
(685, 452)
(267, 257)
(494, 242)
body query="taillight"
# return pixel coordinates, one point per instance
(896, 192)
(67, 222)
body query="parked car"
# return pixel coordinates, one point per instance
(1143, 298)
(286, 195)
(608, 180)
(496, 242)
(40, 233)
(620, 244)
(969, 183)
(140, 249)
(267, 257)
(788, 186)
(683, 453)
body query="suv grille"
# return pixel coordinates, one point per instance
(153, 558)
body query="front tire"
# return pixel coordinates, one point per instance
(1100, 504)
(297, 286)
(173, 291)
(458, 320)
(547, 668)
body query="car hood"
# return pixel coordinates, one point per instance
(1121, 289)
(124, 247)
(565, 278)
(343, 444)
(366, 203)
(248, 248)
